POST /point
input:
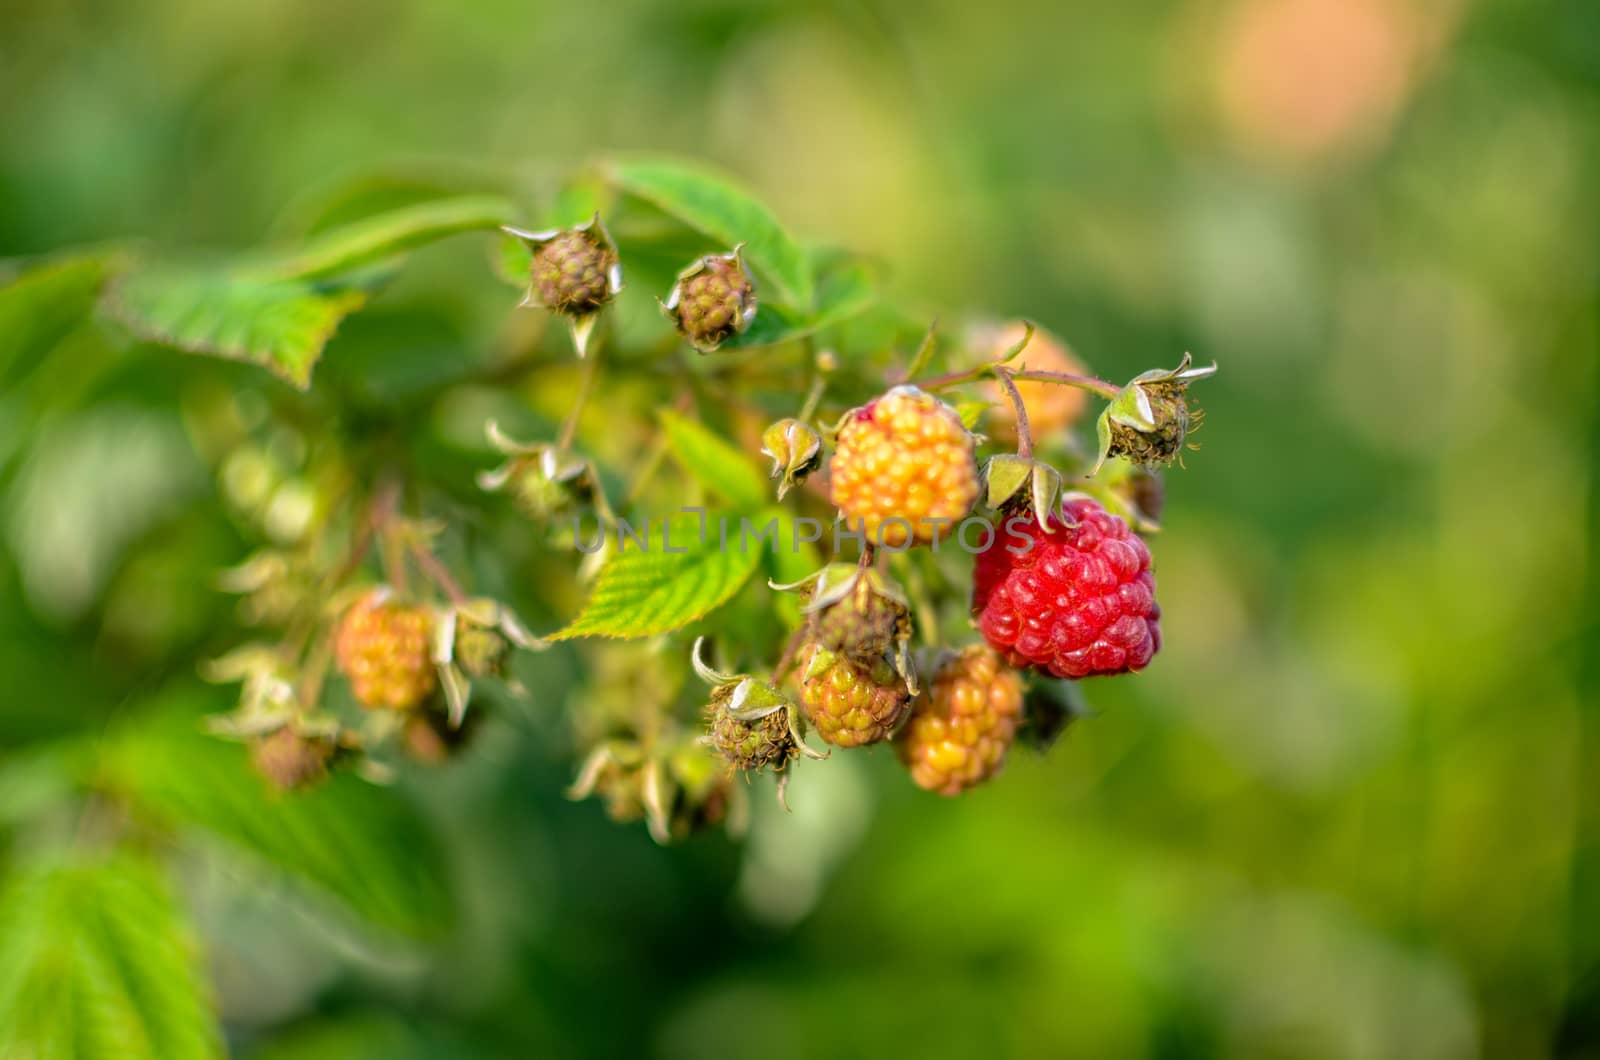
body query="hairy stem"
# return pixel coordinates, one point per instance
(1082, 382)
(1024, 435)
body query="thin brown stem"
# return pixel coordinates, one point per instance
(394, 561)
(1024, 435)
(315, 671)
(790, 649)
(949, 379)
(569, 430)
(437, 573)
(384, 525)
(968, 375)
(1082, 382)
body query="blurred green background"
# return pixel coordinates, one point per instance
(1351, 811)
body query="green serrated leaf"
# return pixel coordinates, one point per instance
(645, 591)
(713, 204)
(381, 236)
(715, 464)
(842, 293)
(362, 844)
(40, 307)
(281, 325)
(96, 962)
(325, 207)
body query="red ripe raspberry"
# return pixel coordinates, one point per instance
(1079, 600)
(384, 651)
(963, 725)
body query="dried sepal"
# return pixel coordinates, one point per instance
(1013, 482)
(276, 586)
(473, 639)
(544, 479)
(858, 612)
(674, 784)
(268, 696)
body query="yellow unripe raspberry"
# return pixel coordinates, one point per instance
(384, 651)
(963, 724)
(903, 469)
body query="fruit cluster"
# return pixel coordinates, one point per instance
(876, 648)
(406, 659)
(1062, 585)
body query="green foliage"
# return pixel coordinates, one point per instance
(363, 242)
(971, 412)
(1348, 812)
(644, 592)
(362, 1037)
(362, 844)
(712, 204)
(279, 310)
(845, 289)
(714, 463)
(39, 307)
(281, 325)
(97, 964)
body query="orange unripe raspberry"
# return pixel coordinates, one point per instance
(903, 469)
(384, 651)
(1052, 407)
(850, 703)
(964, 723)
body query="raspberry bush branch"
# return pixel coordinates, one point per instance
(1001, 558)
(1092, 385)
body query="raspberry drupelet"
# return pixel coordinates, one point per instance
(904, 468)
(1071, 600)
